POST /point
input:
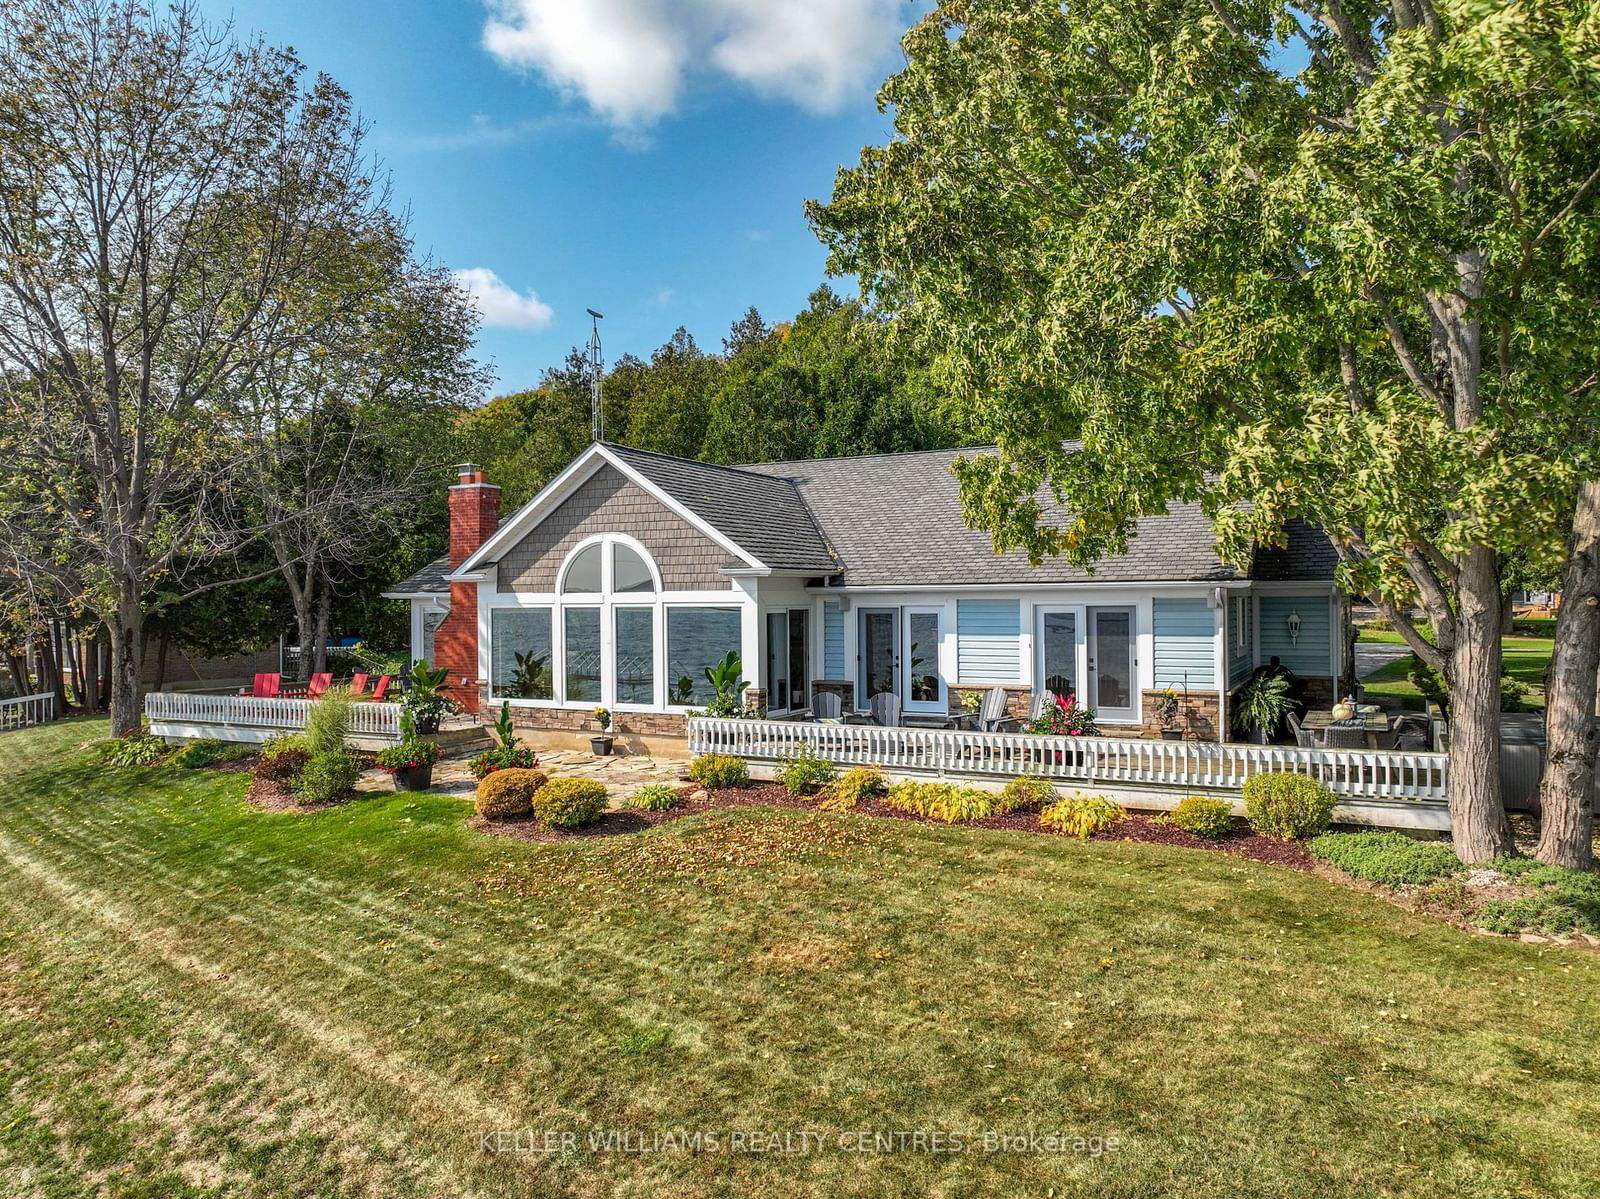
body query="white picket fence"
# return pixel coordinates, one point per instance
(246, 718)
(1168, 768)
(27, 710)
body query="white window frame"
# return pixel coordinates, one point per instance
(787, 611)
(1080, 647)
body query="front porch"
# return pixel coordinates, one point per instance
(189, 715)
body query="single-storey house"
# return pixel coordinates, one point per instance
(631, 572)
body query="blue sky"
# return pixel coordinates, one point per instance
(647, 158)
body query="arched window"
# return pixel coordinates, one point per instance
(630, 572)
(583, 572)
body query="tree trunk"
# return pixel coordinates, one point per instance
(102, 665)
(1572, 733)
(324, 615)
(50, 668)
(1477, 812)
(126, 632)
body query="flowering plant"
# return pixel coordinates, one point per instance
(1066, 718)
(408, 755)
(1167, 707)
(602, 717)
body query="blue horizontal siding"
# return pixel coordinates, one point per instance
(1311, 654)
(989, 641)
(832, 640)
(1185, 643)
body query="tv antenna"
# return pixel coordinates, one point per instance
(597, 419)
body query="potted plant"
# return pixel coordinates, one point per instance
(410, 763)
(1167, 710)
(601, 745)
(425, 699)
(1262, 704)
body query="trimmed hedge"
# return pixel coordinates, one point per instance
(327, 776)
(1202, 816)
(719, 770)
(1389, 857)
(569, 803)
(507, 793)
(1286, 805)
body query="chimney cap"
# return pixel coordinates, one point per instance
(468, 468)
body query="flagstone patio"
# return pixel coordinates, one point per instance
(621, 774)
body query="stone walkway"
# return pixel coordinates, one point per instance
(622, 774)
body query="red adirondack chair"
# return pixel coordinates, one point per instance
(381, 690)
(319, 683)
(266, 686)
(358, 684)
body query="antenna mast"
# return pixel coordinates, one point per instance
(597, 419)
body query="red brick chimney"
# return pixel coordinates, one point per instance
(474, 516)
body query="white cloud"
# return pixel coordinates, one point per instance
(499, 304)
(630, 60)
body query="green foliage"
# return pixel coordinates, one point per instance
(806, 773)
(1564, 901)
(1391, 858)
(206, 752)
(282, 758)
(139, 750)
(1287, 805)
(853, 786)
(1065, 718)
(376, 662)
(716, 771)
(1428, 682)
(1534, 626)
(501, 758)
(505, 732)
(1025, 791)
(1082, 816)
(424, 698)
(602, 717)
(1262, 703)
(569, 803)
(328, 721)
(327, 776)
(410, 754)
(1513, 694)
(944, 801)
(656, 797)
(1203, 816)
(727, 689)
(507, 793)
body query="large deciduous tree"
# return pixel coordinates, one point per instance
(1333, 261)
(160, 191)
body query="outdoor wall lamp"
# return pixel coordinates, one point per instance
(1294, 628)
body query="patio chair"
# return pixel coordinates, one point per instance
(885, 709)
(266, 686)
(358, 684)
(993, 716)
(1041, 701)
(382, 689)
(827, 708)
(1303, 736)
(319, 685)
(1410, 732)
(1344, 738)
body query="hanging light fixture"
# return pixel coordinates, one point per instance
(1294, 628)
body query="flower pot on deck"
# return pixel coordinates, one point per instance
(1172, 734)
(601, 746)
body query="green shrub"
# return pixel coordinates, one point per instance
(1082, 815)
(1390, 857)
(1203, 816)
(806, 773)
(141, 749)
(569, 803)
(1565, 901)
(502, 757)
(282, 759)
(719, 770)
(328, 721)
(1513, 695)
(1287, 805)
(507, 793)
(1025, 791)
(657, 797)
(854, 785)
(1534, 626)
(327, 776)
(942, 801)
(198, 754)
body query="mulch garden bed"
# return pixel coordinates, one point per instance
(272, 796)
(1241, 842)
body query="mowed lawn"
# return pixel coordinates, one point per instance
(197, 998)
(1525, 659)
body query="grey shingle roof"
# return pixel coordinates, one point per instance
(432, 578)
(896, 519)
(760, 512)
(1307, 554)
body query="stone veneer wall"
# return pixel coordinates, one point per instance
(1197, 715)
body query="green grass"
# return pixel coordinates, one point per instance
(197, 998)
(1526, 659)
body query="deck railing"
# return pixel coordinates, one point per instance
(27, 710)
(1086, 761)
(247, 718)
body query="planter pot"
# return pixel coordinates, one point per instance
(600, 745)
(1172, 734)
(413, 778)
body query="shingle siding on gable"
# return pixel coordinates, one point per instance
(1185, 643)
(1311, 654)
(608, 502)
(988, 641)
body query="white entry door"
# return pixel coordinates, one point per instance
(924, 684)
(1113, 666)
(1059, 651)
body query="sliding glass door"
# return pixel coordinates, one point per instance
(788, 660)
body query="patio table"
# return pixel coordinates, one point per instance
(1372, 724)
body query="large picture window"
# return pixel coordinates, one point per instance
(636, 655)
(697, 638)
(581, 654)
(520, 658)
